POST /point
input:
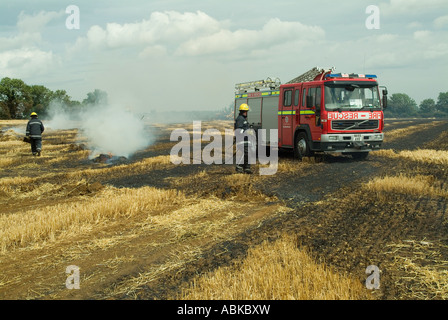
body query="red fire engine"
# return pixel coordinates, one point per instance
(319, 111)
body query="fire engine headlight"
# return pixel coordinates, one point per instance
(377, 137)
(332, 138)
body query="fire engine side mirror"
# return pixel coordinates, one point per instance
(309, 101)
(384, 98)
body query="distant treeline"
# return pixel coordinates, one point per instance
(400, 105)
(18, 100)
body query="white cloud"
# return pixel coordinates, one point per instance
(35, 23)
(29, 30)
(26, 62)
(422, 35)
(273, 32)
(418, 48)
(21, 55)
(193, 34)
(20, 40)
(96, 36)
(441, 22)
(161, 28)
(437, 51)
(153, 52)
(386, 38)
(415, 25)
(136, 56)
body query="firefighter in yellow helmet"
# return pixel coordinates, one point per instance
(242, 141)
(34, 129)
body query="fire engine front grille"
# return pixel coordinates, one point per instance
(354, 124)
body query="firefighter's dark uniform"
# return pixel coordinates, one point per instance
(34, 130)
(241, 125)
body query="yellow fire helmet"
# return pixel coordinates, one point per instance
(33, 114)
(244, 107)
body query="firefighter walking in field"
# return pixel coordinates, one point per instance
(34, 130)
(242, 140)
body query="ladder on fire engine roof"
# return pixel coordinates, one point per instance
(311, 75)
(252, 86)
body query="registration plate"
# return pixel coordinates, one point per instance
(357, 137)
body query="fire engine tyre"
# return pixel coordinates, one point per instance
(301, 146)
(359, 155)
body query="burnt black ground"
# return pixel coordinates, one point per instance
(334, 172)
(331, 213)
(335, 218)
(417, 139)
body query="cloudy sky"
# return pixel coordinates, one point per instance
(177, 55)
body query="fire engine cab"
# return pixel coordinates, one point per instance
(319, 111)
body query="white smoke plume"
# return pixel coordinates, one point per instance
(113, 129)
(60, 118)
(104, 128)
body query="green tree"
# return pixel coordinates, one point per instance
(15, 98)
(427, 107)
(63, 102)
(41, 97)
(61, 97)
(400, 104)
(442, 102)
(95, 98)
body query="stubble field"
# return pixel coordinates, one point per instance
(144, 228)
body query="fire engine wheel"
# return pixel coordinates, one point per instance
(301, 147)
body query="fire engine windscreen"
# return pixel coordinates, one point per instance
(351, 97)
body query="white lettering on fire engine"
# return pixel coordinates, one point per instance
(354, 115)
